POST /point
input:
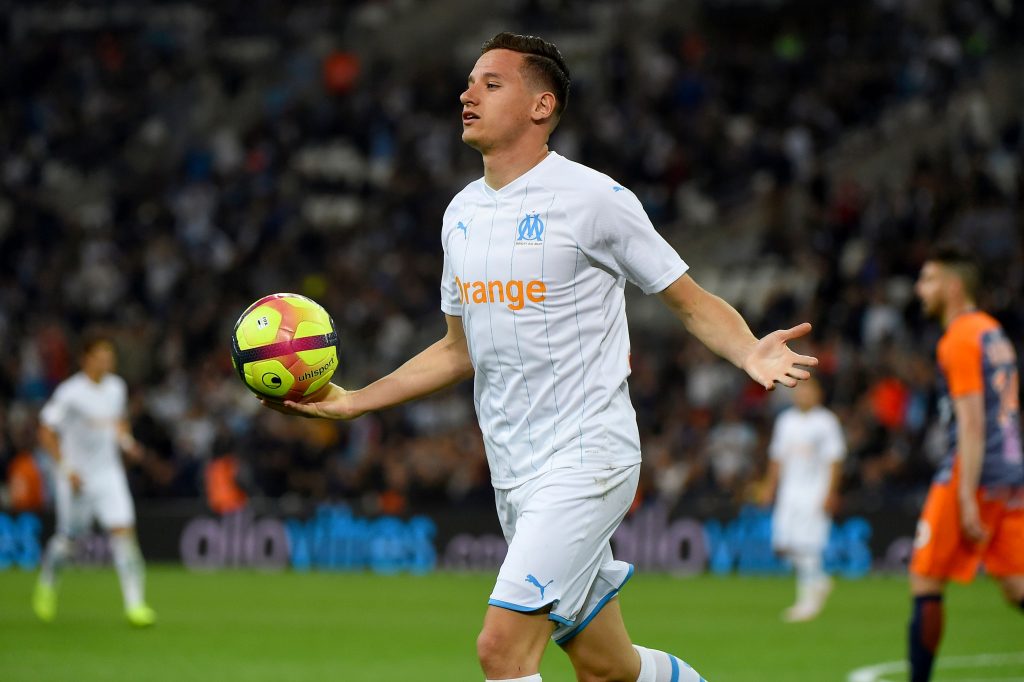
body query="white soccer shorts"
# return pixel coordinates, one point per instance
(800, 529)
(559, 526)
(103, 496)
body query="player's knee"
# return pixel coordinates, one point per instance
(496, 652)
(1013, 591)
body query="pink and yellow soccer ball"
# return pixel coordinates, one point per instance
(285, 347)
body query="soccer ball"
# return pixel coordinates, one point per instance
(285, 347)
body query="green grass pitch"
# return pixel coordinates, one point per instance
(363, 628)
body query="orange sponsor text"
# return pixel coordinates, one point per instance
(514, 293)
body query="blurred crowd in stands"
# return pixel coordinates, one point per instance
(164, 165)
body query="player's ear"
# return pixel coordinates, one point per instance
(543, 107)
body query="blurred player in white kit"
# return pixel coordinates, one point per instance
(84, 427)
(807, 449)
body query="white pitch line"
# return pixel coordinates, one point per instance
(875, 673)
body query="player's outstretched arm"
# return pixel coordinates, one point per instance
(722, 329)
(440, 365)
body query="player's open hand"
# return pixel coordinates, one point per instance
(330, 402)
(771, 361)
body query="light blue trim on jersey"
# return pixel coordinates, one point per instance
(674, 662)
(497, 358)
(515, 329)
(467, 322)
(547, 334)
(583, 360)
(597, 609)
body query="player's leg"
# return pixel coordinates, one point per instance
(812, 583)
(1004, 556)
(117, 515)
(926, 624)
(72, 519)
(938, 556)
(131, 573)
(1013, 590)
(602, 652)
(810, 535)
(558, 526)
(511, 644)
(800, 534)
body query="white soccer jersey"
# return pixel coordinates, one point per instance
(806, 444)
(85, 415)
(537, 272)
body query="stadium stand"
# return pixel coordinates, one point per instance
(166, 164)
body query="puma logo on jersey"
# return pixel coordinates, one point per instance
(514, 293)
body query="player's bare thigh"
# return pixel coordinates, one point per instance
(511, 643)
(603, 651)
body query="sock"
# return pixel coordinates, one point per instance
(658, 666)
(58, 552)
(808, 574)
(531, 678)
(925, 634)
(128, 562)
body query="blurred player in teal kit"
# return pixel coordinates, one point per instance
(536, 257)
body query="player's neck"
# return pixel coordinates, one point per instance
(505, 165)
(955, 310)
(94, 376)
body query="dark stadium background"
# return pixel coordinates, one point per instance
(164, 164)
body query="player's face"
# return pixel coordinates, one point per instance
(497, 102)
(931, 287)
(100, 360)
(807, 395)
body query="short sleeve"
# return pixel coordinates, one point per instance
(55, 411)
(834, 446)
(960, 359)
(623, 239)
(451, 302)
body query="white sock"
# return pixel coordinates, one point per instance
(128, 562)
(531, 678)
(808, 574)
(58, 553)
(658, 666)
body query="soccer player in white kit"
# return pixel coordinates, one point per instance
(806, 450)
(84, 427)
(536, 257)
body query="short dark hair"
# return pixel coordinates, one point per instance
(93, 338)
(960, 262)
(543, 62)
